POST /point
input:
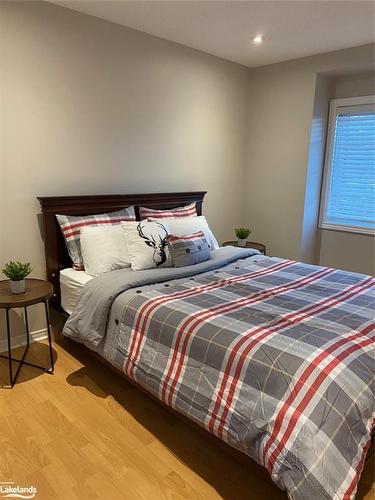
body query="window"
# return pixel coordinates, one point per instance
(348, 195)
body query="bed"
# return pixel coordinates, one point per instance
(272, 357)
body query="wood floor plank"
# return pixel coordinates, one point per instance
(85, 433)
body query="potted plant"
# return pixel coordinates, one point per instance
(17, 272)
(242, 234)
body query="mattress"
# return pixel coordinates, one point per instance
(71, 283)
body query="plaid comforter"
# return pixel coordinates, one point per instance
(274, 357)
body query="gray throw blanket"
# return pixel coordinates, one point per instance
(88, 321)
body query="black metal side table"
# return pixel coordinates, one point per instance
(37, 291)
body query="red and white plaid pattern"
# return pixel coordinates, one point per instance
(189, 237)
(275, 358)
(173, 213)
(188, 249)
(71, 226)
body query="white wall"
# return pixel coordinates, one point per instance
(88, 106)
(281, 114)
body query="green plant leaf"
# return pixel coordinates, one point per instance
(242, 232)
(17, 271)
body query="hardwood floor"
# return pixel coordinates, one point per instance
(85, 433)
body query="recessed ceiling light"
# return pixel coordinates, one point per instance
(257, 39)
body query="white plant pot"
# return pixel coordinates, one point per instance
(17, 286)
(241, 242)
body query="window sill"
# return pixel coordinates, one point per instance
(347, 229)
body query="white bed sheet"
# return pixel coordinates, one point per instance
(71, 283)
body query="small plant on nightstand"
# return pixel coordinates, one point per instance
(17, 272)
(242, 234)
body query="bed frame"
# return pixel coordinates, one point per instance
(57, 258)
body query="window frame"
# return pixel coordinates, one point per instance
(334, 109)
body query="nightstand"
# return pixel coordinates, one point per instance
(37, 291)
(249, 244)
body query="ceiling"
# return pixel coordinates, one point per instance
(291, 29)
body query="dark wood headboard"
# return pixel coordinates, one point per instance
(57, 257)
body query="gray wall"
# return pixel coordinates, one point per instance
(287, 118)
(351, 251)
(311, 236)
(88, 106)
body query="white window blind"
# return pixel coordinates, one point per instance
(349, 180)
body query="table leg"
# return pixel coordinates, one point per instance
(49, 335)
(9, 349)
(27, 327)
(21, 362)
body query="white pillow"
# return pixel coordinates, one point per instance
(189, 225)
(147, 244)
(103, 249)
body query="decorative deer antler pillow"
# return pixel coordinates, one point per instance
(147, 244)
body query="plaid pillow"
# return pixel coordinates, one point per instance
(188, 250)
(71, 226)
(186, 211)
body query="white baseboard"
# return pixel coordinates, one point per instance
(21, 339)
